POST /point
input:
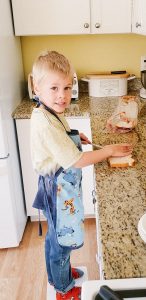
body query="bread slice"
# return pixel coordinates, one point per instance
(121, 162)
(124, 124)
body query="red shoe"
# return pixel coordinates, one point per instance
(73, 294)
(77, 273)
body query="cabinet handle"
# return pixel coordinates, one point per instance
(97, 25)
(86, 25)
(94, 200)
(93, 196)
(138, 24)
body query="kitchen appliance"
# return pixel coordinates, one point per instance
(12, 210)
(91, 288)
(107, 84)
(75, 88)
(143, 77)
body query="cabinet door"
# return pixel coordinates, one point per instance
(139, 17)
(112, 16)
(37, 17)
(83, 125)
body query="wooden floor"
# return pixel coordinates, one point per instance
(22, 269)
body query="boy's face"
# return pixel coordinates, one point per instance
(55, 91)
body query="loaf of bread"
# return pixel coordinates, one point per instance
(121, 162)
(125, 116)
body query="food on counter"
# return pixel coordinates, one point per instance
(121, 162)
(128, 98)
(124, 124)
(125, 115)
(121, 121)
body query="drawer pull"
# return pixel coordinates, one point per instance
(97, 25)
(86, 25)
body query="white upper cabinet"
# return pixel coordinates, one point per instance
(37, 17)
(139, 17)
(46, 17)
(113, 16)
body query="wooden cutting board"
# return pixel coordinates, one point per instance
(106, 75)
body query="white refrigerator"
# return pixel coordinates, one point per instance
(12, 209)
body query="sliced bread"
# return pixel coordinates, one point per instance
(121, 162)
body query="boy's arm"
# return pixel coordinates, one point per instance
(93, 157)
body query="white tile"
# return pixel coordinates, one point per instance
(83, 278)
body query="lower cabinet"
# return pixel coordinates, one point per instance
(30, 178)
(99, 255)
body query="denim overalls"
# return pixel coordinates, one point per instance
(60, 198)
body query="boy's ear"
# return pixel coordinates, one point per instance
(36, 89)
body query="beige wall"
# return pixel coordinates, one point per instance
(90, 53)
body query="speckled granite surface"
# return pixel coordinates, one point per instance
(121, 198)
(121, 192)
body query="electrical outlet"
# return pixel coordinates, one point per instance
(143, 62)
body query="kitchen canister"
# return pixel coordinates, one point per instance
(105, 85)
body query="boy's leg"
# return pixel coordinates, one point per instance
(47, 257)
(76, 273)
(66, 290)
(58, 265)
(61, 269)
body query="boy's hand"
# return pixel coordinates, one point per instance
(118, 149)
(84, 139)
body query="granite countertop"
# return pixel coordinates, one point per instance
(121, 197)
(121, 192)
(77, 108)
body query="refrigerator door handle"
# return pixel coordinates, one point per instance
(5, 157)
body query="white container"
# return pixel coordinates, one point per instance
(142, 227)
(105, 85)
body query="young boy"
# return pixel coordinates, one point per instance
(58, 159)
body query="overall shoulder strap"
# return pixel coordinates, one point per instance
(51, 111)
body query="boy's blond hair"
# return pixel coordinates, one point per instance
(50, 61)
